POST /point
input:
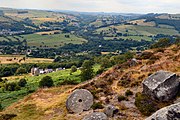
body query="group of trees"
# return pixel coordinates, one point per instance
(165, 42)
(12, 86)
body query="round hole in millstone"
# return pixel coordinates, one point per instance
(79, 100)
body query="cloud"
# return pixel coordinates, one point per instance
(132, 6)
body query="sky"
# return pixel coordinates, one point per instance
(119, 6)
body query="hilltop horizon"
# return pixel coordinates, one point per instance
(115, 6)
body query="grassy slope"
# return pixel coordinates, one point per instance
(138, 30)
(49, 104)
(48, 40)
(7, 98)
(51, 40)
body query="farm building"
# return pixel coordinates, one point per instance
(35, 71)
(1, 13)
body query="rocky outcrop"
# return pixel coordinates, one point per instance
(110, 110)
(162, 85)
(79, 100)
(96, 116)
(171, 112)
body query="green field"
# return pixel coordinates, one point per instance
(7, 97)
(54, 40)
(134, 30)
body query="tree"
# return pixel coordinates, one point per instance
(22, 82)
(46, 82)
(57, 59)
(1, 107)
(177, 41)
(87, 70)
(21, 70)
(12, 86)
(164, 42)
(73, 69)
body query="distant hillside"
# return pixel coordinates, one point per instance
(163, 19)
(107, 88)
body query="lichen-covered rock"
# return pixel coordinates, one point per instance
(110, 110)
(79, 100)
(171, 112)
(96, 116)
(162, 85)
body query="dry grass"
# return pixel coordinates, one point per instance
(48, 32)
(9, 59)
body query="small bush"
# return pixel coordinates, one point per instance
(128, 93)
(46, 82)
(1, 108)
(21, 70)
(22, 82)
(68, 82)
(73, 69)
(121, 98)
(97, 105)
(13, 86)
(145, 105)
(7, 116)
(124, 83)
(100, 71)
(160, 50)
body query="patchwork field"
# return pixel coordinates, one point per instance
(48, 40)
(57, 40)
(136, 32)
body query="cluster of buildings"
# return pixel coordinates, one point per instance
(37, 71)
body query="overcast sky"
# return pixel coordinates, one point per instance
(122, 6)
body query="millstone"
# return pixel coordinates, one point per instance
(79, 100)
(96, 116)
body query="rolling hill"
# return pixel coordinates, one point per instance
(47, 104)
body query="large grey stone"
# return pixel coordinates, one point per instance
(96, 116)
(171, 112)
(162, 85)
(110, 110)
(79, 100)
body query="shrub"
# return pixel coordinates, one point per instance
(1, 80)
(97, 105)
(145, 105)
(1, 108)
(163, 42)
(128, 93)
(73, 69)
(7, 116)
(68, 82)
(13, 86)
(121, 98)
(145, 55)
(22, 82)
(124, 83)
(21, 70)
(100, 71)
(46, 82)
